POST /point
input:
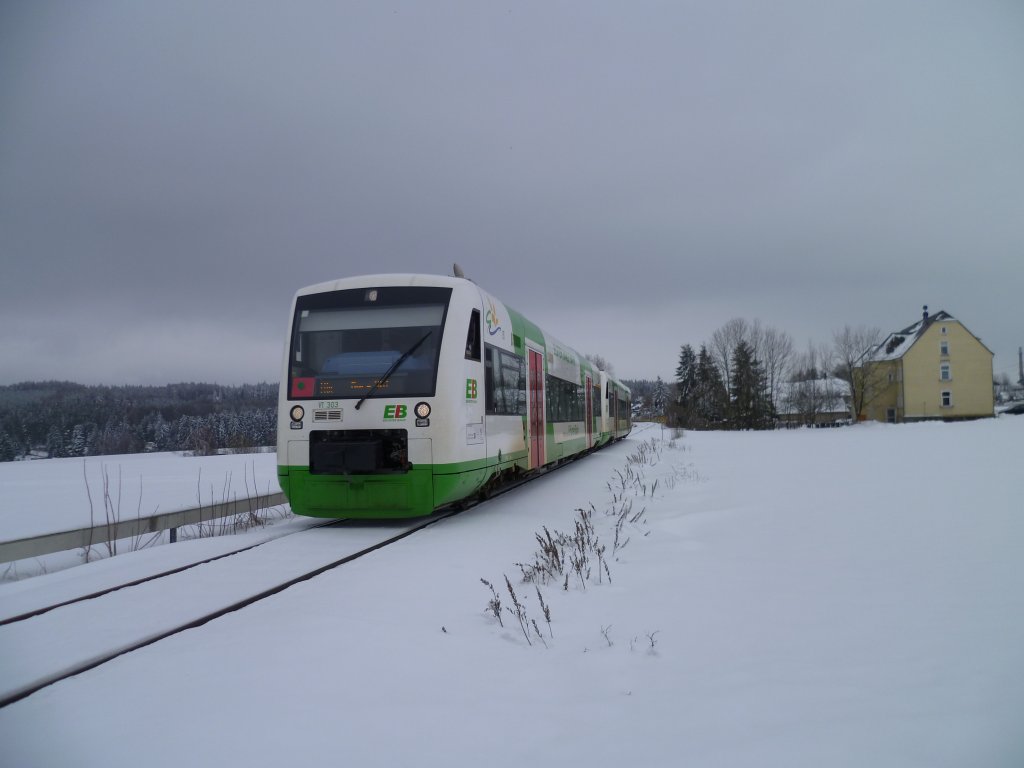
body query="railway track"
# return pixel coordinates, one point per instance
(38, 650)
(71, 639)
(93, 594)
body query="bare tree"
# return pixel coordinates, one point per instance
(810, 391)
(755, 337)
(601, 364)
(775, 353)
(723, 343)
(772, 348)
(851, 347)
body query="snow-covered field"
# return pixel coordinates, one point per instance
(51, 494)
(848, 597)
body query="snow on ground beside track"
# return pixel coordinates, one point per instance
(843, 597)
(49, 495)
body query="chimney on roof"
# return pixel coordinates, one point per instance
(926, 313)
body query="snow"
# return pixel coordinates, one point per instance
(842, 597)
(901, 342)
(50, 495)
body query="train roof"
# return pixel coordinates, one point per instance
(400, 279)
(411, 279)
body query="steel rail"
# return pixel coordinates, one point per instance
(77, 669)
(152, 577)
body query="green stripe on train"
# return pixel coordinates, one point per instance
(417, 492)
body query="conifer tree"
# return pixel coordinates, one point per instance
(8, 451)
(55, 443)
(711, 396)
(78, 441)
(750, 403)
(686, 377)
(659, 399)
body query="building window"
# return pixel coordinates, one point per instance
(944, 348)
(947, 399)
(944, 373)
(943, 330)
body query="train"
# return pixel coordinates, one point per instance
(402, 394)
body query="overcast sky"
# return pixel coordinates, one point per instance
(628, 175)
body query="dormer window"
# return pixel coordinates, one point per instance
(894, 342)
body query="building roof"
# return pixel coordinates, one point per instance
(831, 394)
(898, 343)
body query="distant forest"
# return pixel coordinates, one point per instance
(61, 419)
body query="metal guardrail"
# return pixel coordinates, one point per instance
(103, 533)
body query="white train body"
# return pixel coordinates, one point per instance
(476, 393)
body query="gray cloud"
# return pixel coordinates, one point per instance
(629, 176)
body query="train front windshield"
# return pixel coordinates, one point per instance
(376, 342)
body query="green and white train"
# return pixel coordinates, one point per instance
(402, 394)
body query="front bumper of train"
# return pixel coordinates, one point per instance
(414, 493)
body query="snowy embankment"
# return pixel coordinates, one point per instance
(842, 597)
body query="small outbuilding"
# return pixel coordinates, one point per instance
(814, 402)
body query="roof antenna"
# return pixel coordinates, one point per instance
(457, 270)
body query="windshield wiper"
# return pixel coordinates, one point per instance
(392, 369)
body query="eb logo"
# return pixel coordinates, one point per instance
(395, 412)
(471, 389)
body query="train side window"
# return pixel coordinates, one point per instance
(504, 382)
(489, 388)
(565, 400)
(473, 337)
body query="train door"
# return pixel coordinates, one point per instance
(590, 413)
(473, 370)
(535, 385)
(613, 401)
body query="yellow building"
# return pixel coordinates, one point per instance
(935, 369)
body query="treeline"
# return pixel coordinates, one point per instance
(62, 419)
(750, 376)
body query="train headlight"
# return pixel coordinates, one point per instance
(422, 410)
(297, 413)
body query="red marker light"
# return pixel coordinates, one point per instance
(303, 386)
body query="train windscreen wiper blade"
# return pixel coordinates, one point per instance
(392, 369)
